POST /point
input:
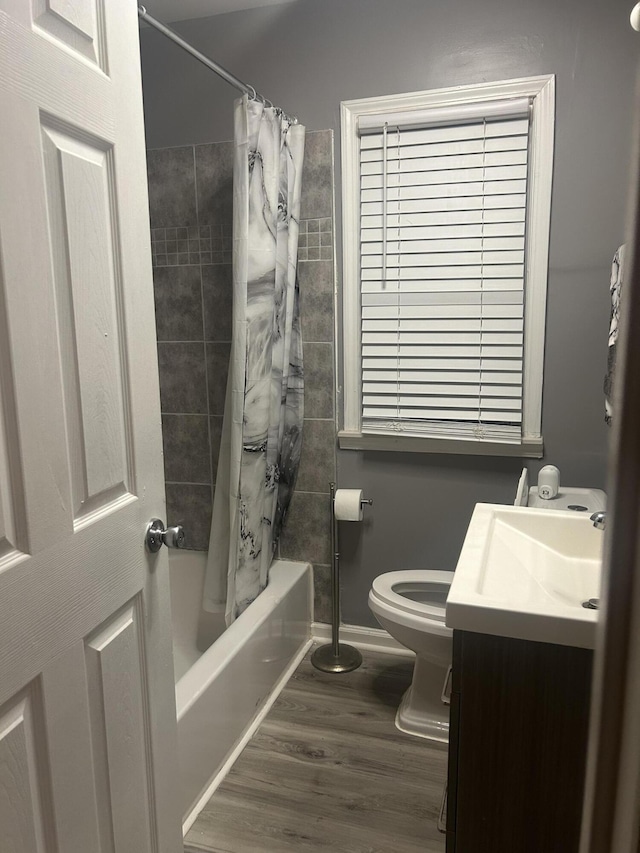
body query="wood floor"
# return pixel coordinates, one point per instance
(328, 771)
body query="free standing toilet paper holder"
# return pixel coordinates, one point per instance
(336, 656)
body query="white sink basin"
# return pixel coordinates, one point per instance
(525, 573)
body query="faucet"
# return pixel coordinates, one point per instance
(599, 520)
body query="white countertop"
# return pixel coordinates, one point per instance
(524, 572)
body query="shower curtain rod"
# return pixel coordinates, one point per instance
(213, 66)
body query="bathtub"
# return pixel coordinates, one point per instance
(222, 693)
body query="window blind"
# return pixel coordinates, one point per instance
(442, 267)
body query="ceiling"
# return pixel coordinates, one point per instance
(181, 10)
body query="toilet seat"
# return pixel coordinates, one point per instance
(418, 592)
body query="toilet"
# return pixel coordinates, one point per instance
(411, 606)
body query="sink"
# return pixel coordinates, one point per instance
(525, 573)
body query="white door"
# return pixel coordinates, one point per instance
(87, 709)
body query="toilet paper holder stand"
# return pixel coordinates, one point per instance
(336, 656)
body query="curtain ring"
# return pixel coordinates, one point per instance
(268, 103)
(253, 96)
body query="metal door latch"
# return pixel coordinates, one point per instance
(157, 536)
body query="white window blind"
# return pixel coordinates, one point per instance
(443, 211)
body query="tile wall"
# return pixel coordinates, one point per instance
(190, 195)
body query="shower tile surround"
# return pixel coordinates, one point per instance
(190, 197)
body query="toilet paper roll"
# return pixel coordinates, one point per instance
(348, 504)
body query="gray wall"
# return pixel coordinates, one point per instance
(311, 55)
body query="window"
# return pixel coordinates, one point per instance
(446, 207)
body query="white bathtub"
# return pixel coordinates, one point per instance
(222, 692)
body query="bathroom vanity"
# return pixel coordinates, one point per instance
(522, 666)
(517, 745)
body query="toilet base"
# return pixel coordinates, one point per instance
(422, 712)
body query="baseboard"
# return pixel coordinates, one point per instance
(246, 737)
(362, 637)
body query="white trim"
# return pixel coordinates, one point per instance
(351, 336)
(249, 732)
(531, 448)
(367, 639)
(521, 87)
(542, 90)
(537, 255)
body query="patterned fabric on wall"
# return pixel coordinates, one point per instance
(262, 428)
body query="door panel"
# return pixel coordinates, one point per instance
(87, 278)
(115, 664)
(12, 509)
(87, 708)
(74, 23)
(25, 816)
(69, 738)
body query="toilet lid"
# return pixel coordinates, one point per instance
(418, 591)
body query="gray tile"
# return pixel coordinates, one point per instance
(214, 174)
(306, 535)
(172, 186)
(190, 506)
(217, 372)
(316, 299)
(322, 593)
(178, 298)
(217, 289)
(183, 380)
(318, 457)
(215, 433)
(318, 380)
(187, 458)
(317, 175)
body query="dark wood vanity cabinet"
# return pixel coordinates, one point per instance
(517, 745)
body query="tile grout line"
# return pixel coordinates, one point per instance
(185, 483)
(204, 330)
(190, 414)
(196, 341)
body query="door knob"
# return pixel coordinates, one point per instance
(157, 535)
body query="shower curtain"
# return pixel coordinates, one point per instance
(262, 426)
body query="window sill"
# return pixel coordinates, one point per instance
(528, 448)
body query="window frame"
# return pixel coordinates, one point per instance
(541, 90)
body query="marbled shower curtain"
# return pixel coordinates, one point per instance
(262, 427)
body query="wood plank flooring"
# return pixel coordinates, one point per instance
(328, 771)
